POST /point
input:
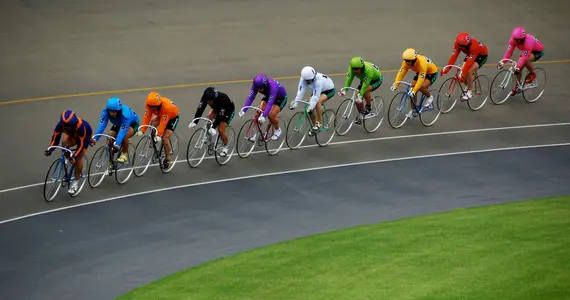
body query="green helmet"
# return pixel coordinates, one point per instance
(356, 62)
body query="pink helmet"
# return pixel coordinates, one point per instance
(518, 33)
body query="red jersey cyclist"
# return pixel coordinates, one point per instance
(476, 56)
(77, 132)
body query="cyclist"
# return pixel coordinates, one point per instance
(125, 123)
(272, 104)
(222, 113)
(370, 80)
(78, 132)
(476, 56)
(531, 51)
(425, 68)
(163, 114)
(322, 90)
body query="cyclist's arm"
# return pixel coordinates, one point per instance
(470, 61)
(401, 73)
(349, 77)
(163, 122)
(422, 68)
(200, 110)
(316, 93)
(250, 97)
(510, 49)
(83, 141)
(56, 137)
(366, 82)
(146, 118)
(454, 55)
(123, 130)
(102, 123)
(525, 54)
(301, 90)
(271, 99)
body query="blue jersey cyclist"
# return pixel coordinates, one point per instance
(125, 124)
(272, 104)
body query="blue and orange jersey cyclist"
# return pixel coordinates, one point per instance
(78, 133)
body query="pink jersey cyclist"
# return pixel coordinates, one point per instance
(531, 50)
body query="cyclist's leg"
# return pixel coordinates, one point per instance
(211, 114)
(529, 65)
(317, 117)
(430, 79)
(170, 128)
(224, 121)
(278, 105)
(374, 85)
(414, 100)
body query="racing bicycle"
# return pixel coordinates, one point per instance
(250, 134)
(428, 115)
(300, 119)
(61, 173)
(452, 89)
(104, 162)
(531, 92)
(196, 151)
(148, 151)
(344, 113)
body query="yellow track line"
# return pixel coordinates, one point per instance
(561, 61)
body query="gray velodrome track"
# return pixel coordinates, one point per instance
(106, 249)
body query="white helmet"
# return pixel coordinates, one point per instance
(308, 73)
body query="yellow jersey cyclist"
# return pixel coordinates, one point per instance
(425, 68)
(370, 80)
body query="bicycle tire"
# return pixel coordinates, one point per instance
(103, 151)
(379, 108)
(340, 116)
(401, 106)
(84, 176)
(500, 81)
(200, 134)
(481, 88)
(298, 117)
(53, 167)
(327, 115)
(174, 149)
(223, 160)
(451, 81)
(120, 167)
(244, 135)
(269, 141)
(436, 107)
(537, 71)
(144, 144)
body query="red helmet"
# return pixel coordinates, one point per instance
(463, 39)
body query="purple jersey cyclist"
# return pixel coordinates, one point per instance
(273, 102)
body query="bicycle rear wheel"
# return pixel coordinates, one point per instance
(327, 131)
(247, 137)
(480, 93)
(501, 87)
(124, 171)
(450, 91)
(344, 117)
(197, 148)
(84, 176)
(273, 146)
(173, 153)
(53, 180)
(143, 155)
(398, 108)
(297, 130)
(428, 116)
(375, 115)
(534, 90)
(98, 167)
(222, 160)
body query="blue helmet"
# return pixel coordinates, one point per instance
(69, 118)
(114, 104)
(260, 81)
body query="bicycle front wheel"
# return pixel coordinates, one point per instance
(450, 91)
(272, 143)
(224, 159)
(344, 117)
(54, 179)
(429, 115)
(480, 93)
(374, 119)
(173, 153)
(124, 171)
(143, 155)
(534, 90)
(397, 112)
(501, 87)
(247, 137)
(296, 130)
(327, 131)
(84, 176)
(99, 167)
(197, 148)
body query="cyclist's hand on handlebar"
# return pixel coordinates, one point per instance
(72, 160)
(293, 105)
(411, 94)
(517, 70)
(241, 113)
(212, 131)
(191, 125)
(93, 142)
(261, 119)
(500, 65)
(393, 87)
(341, 93)
(157, 139)
(47, 153)
(139, 133)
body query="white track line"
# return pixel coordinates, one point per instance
(285, 148)
(287, 172)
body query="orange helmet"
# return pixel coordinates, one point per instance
(463, 39)
(153, 99)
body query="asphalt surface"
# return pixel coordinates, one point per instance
(108, 248)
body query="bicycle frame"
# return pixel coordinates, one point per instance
(458, 75)
(353, 100)
(110, 148)
(207, 138)
(418, 108)
(519, 84)
(306, 114)
(264, 136)
(68, 174)
(153, 133)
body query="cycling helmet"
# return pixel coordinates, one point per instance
(357, 62)
(210, 93)
(308, 74)
(409, 54)
(153, 99)
(518, 33)
(463, 39)
(69, 118)
(114, 104)
(260, 81)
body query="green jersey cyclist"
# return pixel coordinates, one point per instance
(370, 80)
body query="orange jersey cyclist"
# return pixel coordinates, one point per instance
(163, 114)
(426, 75)
(77, 132)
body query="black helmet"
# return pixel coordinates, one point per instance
(210, 93)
